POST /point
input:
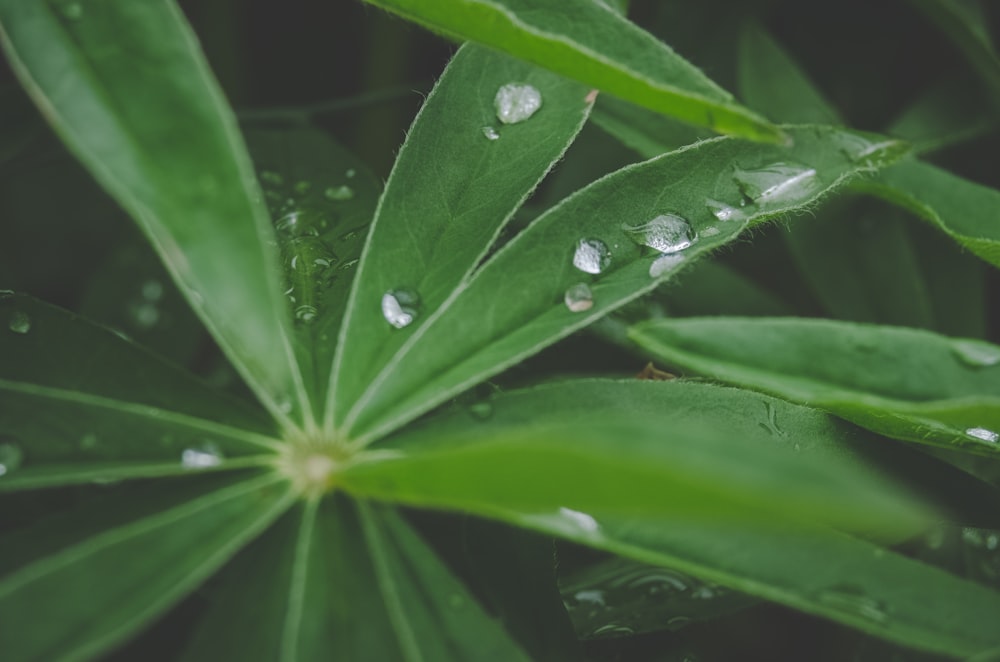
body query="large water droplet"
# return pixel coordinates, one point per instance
(491, 133)
(855, 600)
(664, 264)
(975, 353)
(777, 183)
(19, 322)
(400, 307)
(592, 256)
(339, 193)
(983, 434)
(667, 233)
(11, 457)
(203, 456)
(725, 212)
(516, 102)
(579, 298)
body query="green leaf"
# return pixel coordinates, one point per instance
(644, 131)
(113, 580)
(813, 569)
(965, 211)
(772, 82)
(598, 47)
(948, 113)
(680, 449)
(451, 191)
(322, 199)
(475, 334)
(965, 22)
(903, 383)
(167, 148)
(79, 403)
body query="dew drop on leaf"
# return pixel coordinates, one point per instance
(491, 133)
(339, 193)
(976, 354)
(724, 212)
(19, 322)
(664, 264)
(145, 315)
(854, 599)
(777, 183)
(203, 456)
(306, 313)
(582, 521)
(400, 307)
(11, 457)
(592, 256)
(983, 434)
(579, 298)
(516, 102)
(350, 172)
(666, 233)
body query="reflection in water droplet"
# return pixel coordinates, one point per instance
(516, 102)
(490, 133)
(667, 233)
(11, 457)
(725, 212)
(306, 313)
(983, 434)
(339, 193)
(664, 264)
(203, 456)
(19, 322)
(481, 410)
(400, 307)
(975, 353)
(591, 256)
(579, 298)
(777, 183)
(854, 599)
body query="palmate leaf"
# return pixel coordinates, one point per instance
(900, 382)
(167, 148)
(474, 334)
(598, 47)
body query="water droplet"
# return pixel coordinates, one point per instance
(152, 290)
(481, 410)
(860, 149)
(306, 313)
(19, 322)
(854, 599)
(591, 597)
(983, 434)
(339, 193)
(725, 212)
(353, 233)
(11, 457)
(271, 177)
(677, 622)
(579, 298)
(284, 405)
(302, 187)
(975, 353)
(350, 264)
(310, 255)
(777, 183)
(710, 231)
(400, 307)
(667, 233)
(516, 102)
(88, 441)
(591, 256)
(490, 133)
(350, 173)
(6, 294)
(664, 264)
(582, 521)
(145, 315)
(203, 456)
(614, 630)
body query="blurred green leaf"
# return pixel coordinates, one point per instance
(167, 148)
(965, 22)
(903, 383)
(452, 189)
(113, 579)
(598, 47)
(703, 196)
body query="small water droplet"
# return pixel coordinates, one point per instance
(582, 521)
(339, 193)
(667, 233)
(677, 622)
(152, 290)
(350, 264)
(203, 456)
(777, 183)
(592, 597)
(284, 405)
(855, 600)
(271, 177)
(6, 294)
(306, 313)
(516, 102)
(11, 457)
(491, 133)
(350, 173)
(88, 441)
(579, 298)
(664, 264)
(400, 307)
(976, 353)
(725, 212)
(145, 315)
(592, 256)
(19, 322)
(481, 410)
(983, 434)
(310, 255)
(302, 187)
